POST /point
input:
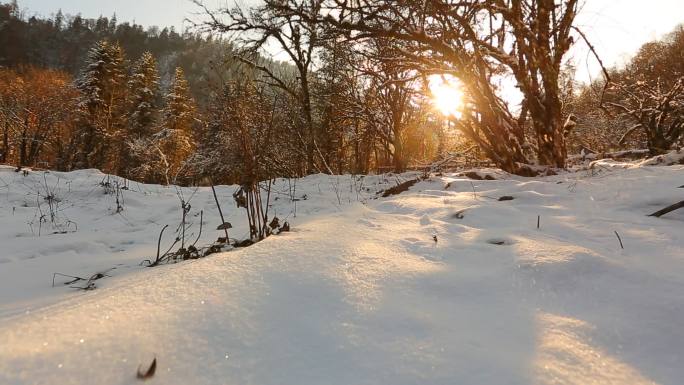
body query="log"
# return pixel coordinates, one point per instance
(400, 188)
(667, 209)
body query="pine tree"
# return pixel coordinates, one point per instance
(175, 140)
(102, 87)
(179, 113)
(112, 24)
(142, 112)
(143, 93)
(59, 20)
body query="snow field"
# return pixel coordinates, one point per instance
(361, 293)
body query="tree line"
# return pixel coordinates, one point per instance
(356, 95)
(364, 67)
(111, 118)
(62, 42)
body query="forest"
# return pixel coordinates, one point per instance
(161, 106)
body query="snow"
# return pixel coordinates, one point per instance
(396, 290)
(98, 239)
(672, 157)
(667, 159)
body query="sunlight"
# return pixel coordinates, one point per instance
(566, 353)
(447, 95)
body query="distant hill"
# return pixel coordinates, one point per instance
(62, 42)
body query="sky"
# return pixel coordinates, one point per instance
(616, 27)
(146, 12)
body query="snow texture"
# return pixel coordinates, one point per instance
(433, 286)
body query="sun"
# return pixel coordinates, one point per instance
(447, 94)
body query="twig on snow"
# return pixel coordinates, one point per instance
(619, 239)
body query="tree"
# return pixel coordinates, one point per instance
(657, 110)
(396, 89)
(143, 91)
(597, 129)
(290, 25)
(650, 92)
(177, 135)
(102, 106)
(329, 97)
(661, 60)
(480, 43)
(36, 117)
(243, 143)
(13, 45)
(161, 156)
(368, 103)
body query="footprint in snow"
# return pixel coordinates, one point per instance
(500, 241)
(367, 223)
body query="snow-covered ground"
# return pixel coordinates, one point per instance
(442, 284)
(81, 233)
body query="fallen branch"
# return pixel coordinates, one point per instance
(667, 209)
(400, 188)
(75, 279)
(619, 239)
(89, 282)
(627, 154)
(629, 132)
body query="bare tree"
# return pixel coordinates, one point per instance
(244, 144)
(291, 26)
(658, 111)
(394, 87)
(481, 42)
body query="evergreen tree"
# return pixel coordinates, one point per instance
(102, 87)
(179, 113)
(179, 117)
(142, 111)
(112, 24)
(59, 20)
(143, 89)
(161, 158)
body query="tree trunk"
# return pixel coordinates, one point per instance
(306, 107)
(357, 156)
(4, 154)
(22, 153)
(550, 141)
(657, 143)
(23, 145)
(398, 157)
